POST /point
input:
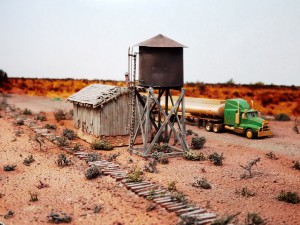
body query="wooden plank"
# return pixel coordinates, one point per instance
(197, 211)
(187, 210)
(175, 208)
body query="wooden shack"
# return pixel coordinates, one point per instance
(102, 110)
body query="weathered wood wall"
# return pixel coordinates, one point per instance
(110, 120)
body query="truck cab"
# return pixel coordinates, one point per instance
(240, 118)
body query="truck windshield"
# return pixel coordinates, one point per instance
(252, 114)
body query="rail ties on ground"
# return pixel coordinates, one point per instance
(145, 189)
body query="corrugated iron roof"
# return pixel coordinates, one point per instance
(161, 41)
(96, 95)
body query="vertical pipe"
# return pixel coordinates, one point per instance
(167, 111)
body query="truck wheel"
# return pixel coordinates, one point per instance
(249, 134)
(216, 128)
(208, 126)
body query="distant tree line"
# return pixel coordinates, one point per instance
(3, 77)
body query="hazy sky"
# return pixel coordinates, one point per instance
(248, 41)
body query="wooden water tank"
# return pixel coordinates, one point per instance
(161, 63)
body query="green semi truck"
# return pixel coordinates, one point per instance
(231, 114)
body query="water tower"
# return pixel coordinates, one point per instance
(157, 117)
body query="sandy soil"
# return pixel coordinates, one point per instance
(71, 193)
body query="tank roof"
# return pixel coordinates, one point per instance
(161, 41)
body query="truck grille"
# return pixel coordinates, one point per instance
(265, 126)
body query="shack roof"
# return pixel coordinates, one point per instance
(161, 41)
(96, 95)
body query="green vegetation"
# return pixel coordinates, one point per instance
(41, 116)
(160, 157)
(172, 186)
(254, 219)
(92, 157)
(27, 111)
(245, 192)
(62, 141)
(33, 196)
(178, 197)
(135, 175)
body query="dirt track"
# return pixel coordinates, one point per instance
(70, 192)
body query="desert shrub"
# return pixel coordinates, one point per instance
(9, 167)
(27, 111)
(224, 220)
(68, 133)
(59, 218)
(151, 207)
(62, 160)
(33, 196)
(271, 155)
(92, 172)
(172, 185)
(76, 147)
(152, 194)
(135, 175)
(9, 214)
(289, 197)
(161, 148)
(92, 157)
(189, 132)
(178, 197)
(151, 167)
(190, 155)
(59, 115)
(97, 209)
(254, 219)
(112, 157)
(216, 159)
(62, 141)
(295, 127)
(101, 145)
(282, 117)
(50, 126)
(245, 192)
(249, 166)
(28, 160)
(41, 116)
(198, 142)
(201, 182)
(42, 185)
(160, 157)
(19, 122)
(296, 165)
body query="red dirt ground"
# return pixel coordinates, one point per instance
(71, 193)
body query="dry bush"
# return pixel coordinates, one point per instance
(190, 155)
(40, 116)
(245, 192)
(160, 157)
(59, 115)
(134, 175)
(27, 111)
(92, 172)
(50, 126)
(62, 141)
(151, 207)
(172, 186)
(224, 220)
(42, 185)
(62, 160)
(92, 157)
(28, 160)
(198, 142)
(76, 147)
(101, 145)
(9, 214)
(112, 157)
(296, 124)
(271, 155)
(9, 167)
(216, 159)
(249, 166)
(59, 218)
(68, 133)
(151, 167)
(161, 148)
(282, 117)
(178, 197)
(33, 196)
(201, 182)
(254, 219)
(289, 197)
(296, 165)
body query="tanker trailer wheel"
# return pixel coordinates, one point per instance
(249, 134)
(208, 126)
(216, 128)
